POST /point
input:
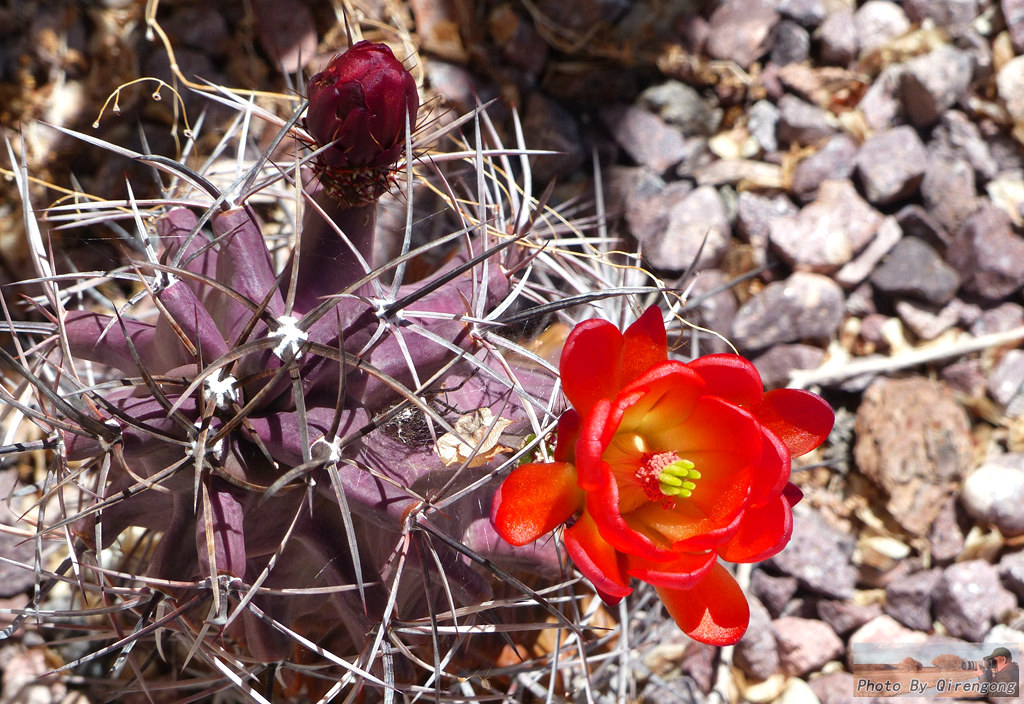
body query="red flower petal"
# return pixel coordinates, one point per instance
(622, 534)
(590, 446)
(793, 493)
(731, 377)
(715, 611)
(692, 526)
(644, 345)
(714, 425)
(590, 364)
(596, 559)
(568, 433)
(772, 471)
(682, 573)
(663, 397)
(763, 532)
(800, 419)
(534, 500)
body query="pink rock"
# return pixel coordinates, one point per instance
(805, 644)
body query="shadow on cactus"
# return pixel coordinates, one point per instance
(271, 418)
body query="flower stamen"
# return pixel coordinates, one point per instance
(673, 479)
(664, 474)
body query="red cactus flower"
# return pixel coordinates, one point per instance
(360, 103)
(665, 468)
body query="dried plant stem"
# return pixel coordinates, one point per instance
(875, 364)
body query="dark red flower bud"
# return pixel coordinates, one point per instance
(360, 103)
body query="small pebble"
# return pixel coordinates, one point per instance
(804, 306)
(890, 165)
(994, 493)
(741, 30)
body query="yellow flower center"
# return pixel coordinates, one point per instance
(664, 474)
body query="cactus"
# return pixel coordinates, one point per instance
(257, 431)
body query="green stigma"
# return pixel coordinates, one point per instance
(673, 479)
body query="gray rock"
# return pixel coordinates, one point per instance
(834, 161)
(988, 254)
(1013, 13)
(838, 37)
(452, 82)
(1011, 572)
(693, 30)
(756, 652)
(833, 688)
(966, 377)
(696, 156)
(714, 310)
(792, 44)
(805, 644)
(970, 313)
(754, 216)
(890, 164)
(803, 123)
(200, 27)
(645, 137)
(777, 363)
(1003, 317)
(857, 269)
(548, 125)
(1005, 149)
(933, 83)
(994, 493)
(927, 320)
(676, 659)
(970, 597)
(699, 215)
(950, 14)
(957, 136)
(845, 616)
(948, 191)
(678, 104)
(17, 571)
(908, 598)
(804, 306)
(915, 221)
(1010, 85)
(914, 442)
(773, 591)
(881, 105)
(741, 30)
(826, 234)
(520, 43)
(582, 15)
(945, 537)
(762, 121)
(809, 13)
(878, 22)
(1006, 383)
(885, 629)
(648, 200)
(912, 268)
(819, 556)
(287, 33)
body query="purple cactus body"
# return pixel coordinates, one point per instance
(234, 530)
(277, 441)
